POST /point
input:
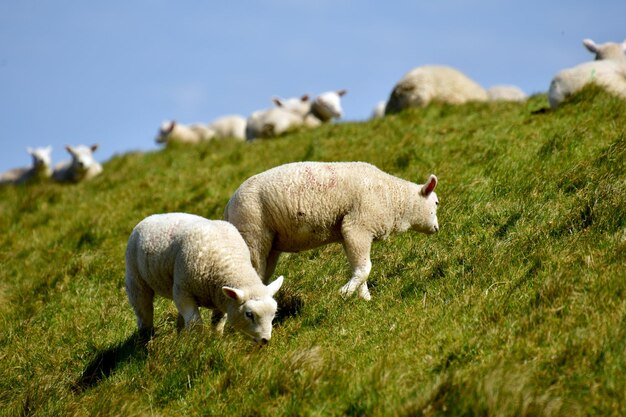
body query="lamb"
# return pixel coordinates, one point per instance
(81, 167)
(304, 205)
(39, 170)
(172, 132)
(271, 122)
(425, 84)
(379, 110)
(231, 126)
(608, 71)
(506, 93)
(197, 263)
(327, 106)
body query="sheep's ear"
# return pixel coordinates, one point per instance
(69, 149)
(234, 294)
(94, 147)
(277, 101)
(305, 97)
(342, 93)
(429, 186)
(590, 45)
(274, 286)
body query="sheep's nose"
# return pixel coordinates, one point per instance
(436, 228)
(264, 341)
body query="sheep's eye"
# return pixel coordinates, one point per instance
(250, 315)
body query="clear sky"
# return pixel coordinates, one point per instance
(108, 72)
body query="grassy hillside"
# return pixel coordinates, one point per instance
(517, 307)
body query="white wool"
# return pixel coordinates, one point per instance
(303, 205)
(197, 263)
(40, 168)
(506, 93)
(327, 106)
(81, 167)
(379, 110)
(607, 71)
(231, 126)
(172, 132)
(425, 84)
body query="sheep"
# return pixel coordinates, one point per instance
(271, 122)
(197, 262)
(379, 110)
(81, 167)
(172, 132)
(39, 170)
(327, 106)
(608, 70)
(506, 93)
(421, 85)
(232, 126)
(304, 205)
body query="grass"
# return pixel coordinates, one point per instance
(516, 308)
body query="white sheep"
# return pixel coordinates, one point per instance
(39, 170)
(607, 71)
(172, 132)
(81, 167)
(197, 263)
(303, 205)
(327, 106)
(271, 122)
(425, 84)
(231, 126)
(506, 93)
(379, 110)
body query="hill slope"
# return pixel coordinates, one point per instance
(517, 307)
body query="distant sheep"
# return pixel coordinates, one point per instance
(39, 170)
(327, 106)
(263, 124)
(81, 167)
(232, 126)
(172, 132)
(506, 93)
(303, 205)
(197, 263)
(379, 110)
(425, 84)
(608, 71)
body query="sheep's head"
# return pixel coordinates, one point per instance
(82, 156)
(426, 216)
(253, 315)
(298, 105)
(164, 130)
(327, 105)
(609, 50)
(41, 157)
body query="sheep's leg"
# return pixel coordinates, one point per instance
(187, 307)
(270, 265)
(357, 246)
(141, 297)
(218, 321)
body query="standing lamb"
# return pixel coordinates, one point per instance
(424, 84)
(608, 71)
(81, 167)
(39, 170)
(197, 263)
(303, 205)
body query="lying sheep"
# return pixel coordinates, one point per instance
(232, 126)
(172, 132)
(608, 71)
(303, 205)
(424, 84)
(81, 167)
(197, 263)
(327, 106)
(506, 93)
(39, 170)
(263, 124)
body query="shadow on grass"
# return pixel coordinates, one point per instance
(106, 361)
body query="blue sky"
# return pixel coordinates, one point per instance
(80, 72)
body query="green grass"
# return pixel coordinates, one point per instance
(516, 308)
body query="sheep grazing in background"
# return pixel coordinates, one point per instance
(39, 170)
(292, 113)
(607, 71)
(303, 205)
(197, 263)
(506, 93)
(81, 167)
(232, 126)
(425, 84)
(172, 132)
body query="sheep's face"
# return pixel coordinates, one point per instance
(253, 317)
(82, 156)
(609, 50)
(328, 105)
(426, 221)
(164, 131)
(41, 157)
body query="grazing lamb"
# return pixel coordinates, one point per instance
(424, 84)
(303, 205)
(506, 93)
(39, 170)
(608, 71)
(81, 167)
(197, 263)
